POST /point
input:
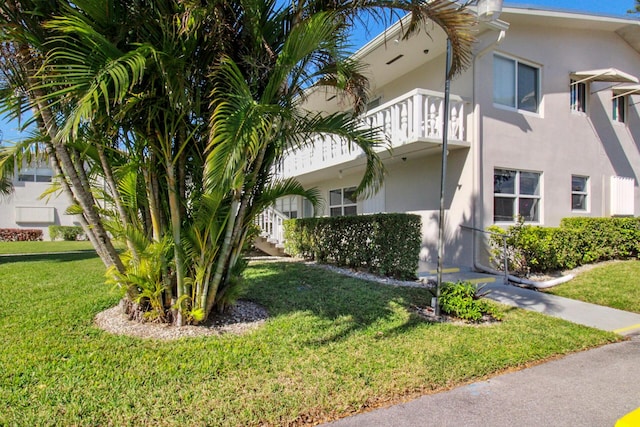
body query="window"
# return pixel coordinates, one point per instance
(516, 193)
(36, 174)
(578, 96)
(619, 109)
(516, 84)
(342, 202)
(579, 193)
(288, 206)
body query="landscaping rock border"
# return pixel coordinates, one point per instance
(241, 318)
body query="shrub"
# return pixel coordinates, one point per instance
(66, 232)
(386, 244)
(463, 300)
(20, 235)
(576, 242)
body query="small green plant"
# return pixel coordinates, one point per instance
(463, 300)
(65, 232)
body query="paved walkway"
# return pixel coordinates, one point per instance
(583, 313)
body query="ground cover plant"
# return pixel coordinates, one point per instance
(614, 285)
(465, 301)
(333, 345)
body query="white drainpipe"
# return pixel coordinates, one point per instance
(478, 188)
(525, 282)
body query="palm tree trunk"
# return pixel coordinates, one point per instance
(115, 194)
(234, 233)
(84, 198)
(208, 298)
(176, 224)
(88, 231)
(151, 186)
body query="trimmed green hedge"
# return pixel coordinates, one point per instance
(575, 242)
(386, 244)
(65, 232)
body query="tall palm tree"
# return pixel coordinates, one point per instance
(204, 98)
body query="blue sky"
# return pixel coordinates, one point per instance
(610, 7)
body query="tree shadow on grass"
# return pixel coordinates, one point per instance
(49, 257)
(343, 305)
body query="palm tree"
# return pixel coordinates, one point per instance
(183, 109)
(23, 38)
(636, 8)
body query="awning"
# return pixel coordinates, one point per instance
(611, 75)
(624, 90)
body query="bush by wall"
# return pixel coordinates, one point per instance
(386, 244)
(20, 235)
(575, 242)
(65, 232)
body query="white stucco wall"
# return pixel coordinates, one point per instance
(557, 142)
(413, 186)
(45, 213)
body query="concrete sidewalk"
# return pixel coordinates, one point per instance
(583, 313)
(592, 388)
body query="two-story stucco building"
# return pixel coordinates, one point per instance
(545, 124)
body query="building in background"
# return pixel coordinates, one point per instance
(25, 208)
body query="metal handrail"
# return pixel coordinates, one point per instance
(504, 247)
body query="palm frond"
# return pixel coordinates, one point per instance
(346, 129)
(283, 188)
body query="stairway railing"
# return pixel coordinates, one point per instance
(271, 223)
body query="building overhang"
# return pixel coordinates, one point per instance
(609, 75)
(624, 90)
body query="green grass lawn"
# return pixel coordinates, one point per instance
(333, 346)
(614, 285)
(40, 247)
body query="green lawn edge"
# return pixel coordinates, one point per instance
(613, 284)
(16, 248)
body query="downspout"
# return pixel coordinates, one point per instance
(525, 282)
(477, 213)
(477, 201)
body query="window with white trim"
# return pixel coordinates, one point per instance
(516, 84)
(342, 201)
(579, 193)
(619, 109)
(579, 93)
(516, 194)
(36, 174)
(288, 206)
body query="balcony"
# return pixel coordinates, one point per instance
(415, 117)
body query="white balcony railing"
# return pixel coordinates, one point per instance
(412, 117)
